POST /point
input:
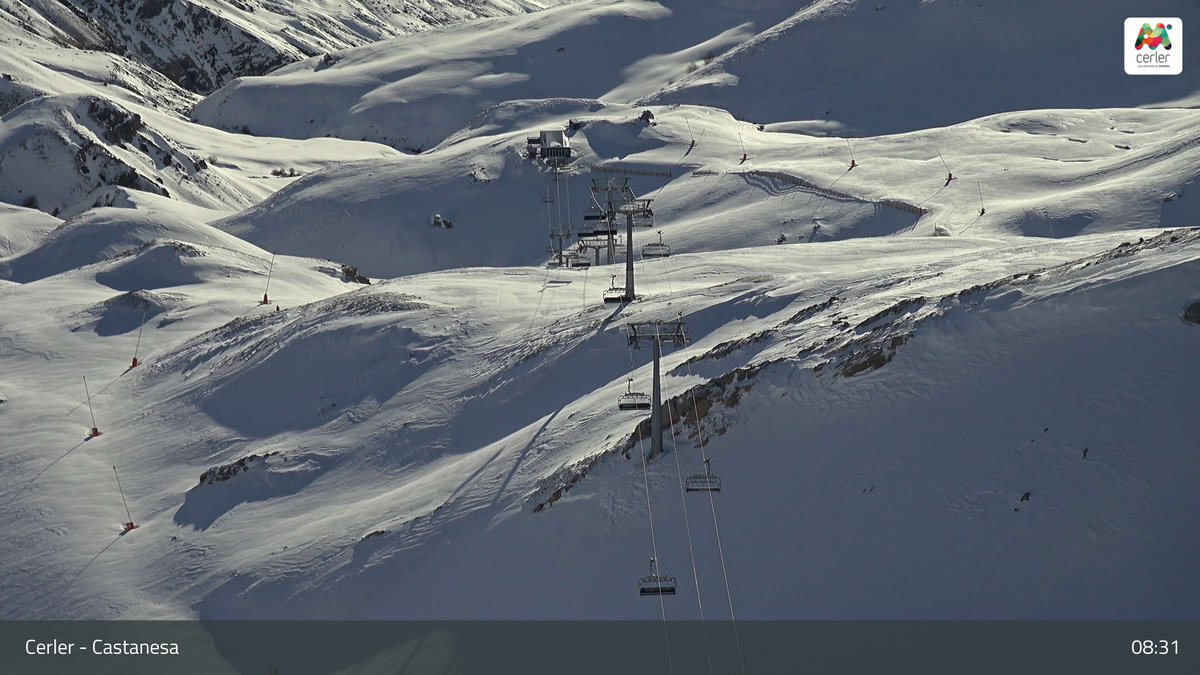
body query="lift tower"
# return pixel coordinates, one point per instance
(612, 197)
(657, 332)
(631, 207)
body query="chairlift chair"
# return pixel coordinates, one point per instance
(655, 583)
(614, 293)
(703, 482)
(603, 229)
(593, 213)
(633, 400)
(578, 259)
(656, 250)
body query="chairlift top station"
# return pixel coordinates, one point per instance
(610, 197)
(551, 146)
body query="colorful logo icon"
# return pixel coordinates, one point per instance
(1153, 37)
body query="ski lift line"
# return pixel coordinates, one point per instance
(541, 296)
(712, 506)
(717, 529)
(653, 538)
(567, 189)
(850, 149)
(687, 526)
(550, 302)
(558, 200)
(583, 310)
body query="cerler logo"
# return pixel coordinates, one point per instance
(1153, 46)
(1153, 37)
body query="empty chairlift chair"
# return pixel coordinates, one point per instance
(633, 400)
(614, 293)
(655, 583)
(595, 222)
(578, 259)
(656, 250)
(704, 482)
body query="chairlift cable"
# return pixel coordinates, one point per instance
(688, 528)
(558, 203)
(716, 527)
(541, 297)
(653, 537)
(585, 297)
(713, 508)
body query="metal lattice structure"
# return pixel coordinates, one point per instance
(657, 332)
(612, 197)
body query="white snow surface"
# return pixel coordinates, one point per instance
(878, 393)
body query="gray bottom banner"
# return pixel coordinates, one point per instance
(585, 647)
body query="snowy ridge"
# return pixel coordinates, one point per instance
(1046, 173)
(203, 44)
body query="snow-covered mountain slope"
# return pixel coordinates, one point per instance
(377, 446)
(413, 92)
(56, 151)
(203, 44)
(872, 68)
(1053, 173)
(963, 396)
(73, 121)
(946, 62)
(22, 228)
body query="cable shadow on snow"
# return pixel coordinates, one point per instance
(44, 470)
(78, 574)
